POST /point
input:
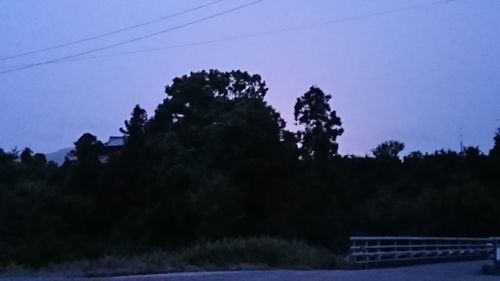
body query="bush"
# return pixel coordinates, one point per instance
(264, 251)
(227, 254)
(157, 262)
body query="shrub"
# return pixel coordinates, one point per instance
(266, 251)
(233, 253)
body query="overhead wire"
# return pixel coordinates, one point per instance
(258, 34)
(269, 32)
(133, 39)
(113, 32)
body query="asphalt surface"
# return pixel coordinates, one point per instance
(456, 271)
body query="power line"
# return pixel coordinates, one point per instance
(109, 33)
(276, 31)
(251, 35)
(392, 11)
(131, 40)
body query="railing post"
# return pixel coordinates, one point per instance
(379, 257)
(366, 250)
(496, 250)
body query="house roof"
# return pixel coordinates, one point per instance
(115, 142)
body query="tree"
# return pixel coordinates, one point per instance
(134, 130)
(39, 159)
(33, 165)
(213, 152)
(85, 170)
(26, 156)
(202, 96)
(321, 125)
(495, 151)
(121, 183)
(414, 156)
(494, 159)
(7, 167)
(87, 149)
(388, 150)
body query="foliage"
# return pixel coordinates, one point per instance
(388, 149)
(266, 251)
(321, 124)
(495, 151)
(226, 254)
(215, 161)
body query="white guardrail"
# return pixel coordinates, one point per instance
(366, 250)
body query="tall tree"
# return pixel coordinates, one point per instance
(213, 146)
(495, 151)
(86, 167)
(87, 150)
(201, 96)
(134, 130)
(494, 159)
(321, 125)
(124, 169)
(26, 156)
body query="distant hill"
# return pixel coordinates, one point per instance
(58, 156)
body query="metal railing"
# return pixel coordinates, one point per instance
(366, 250)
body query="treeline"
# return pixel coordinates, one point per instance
(215, 160)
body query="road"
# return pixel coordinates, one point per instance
(457, 271)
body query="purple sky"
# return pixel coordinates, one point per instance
(423, 76)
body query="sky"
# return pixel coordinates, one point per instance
(423, 72)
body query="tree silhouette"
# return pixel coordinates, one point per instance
(321, 125)
(85, 170)
(388, 150)
(87, 149)
(134, 130)
(495, 151)
(26, 156)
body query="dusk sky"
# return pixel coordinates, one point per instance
(419, 71)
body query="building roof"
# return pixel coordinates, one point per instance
(115, 142)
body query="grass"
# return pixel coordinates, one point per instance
(264, 251)
(227, 254)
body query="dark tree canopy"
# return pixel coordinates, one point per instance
(135, 134)
(84, 175)
(26, 156)
(388, 149)
(495, 151)
(201, 96)
(321, 124)
(87, 149)
(134, 130)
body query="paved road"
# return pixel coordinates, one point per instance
(459, 271)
